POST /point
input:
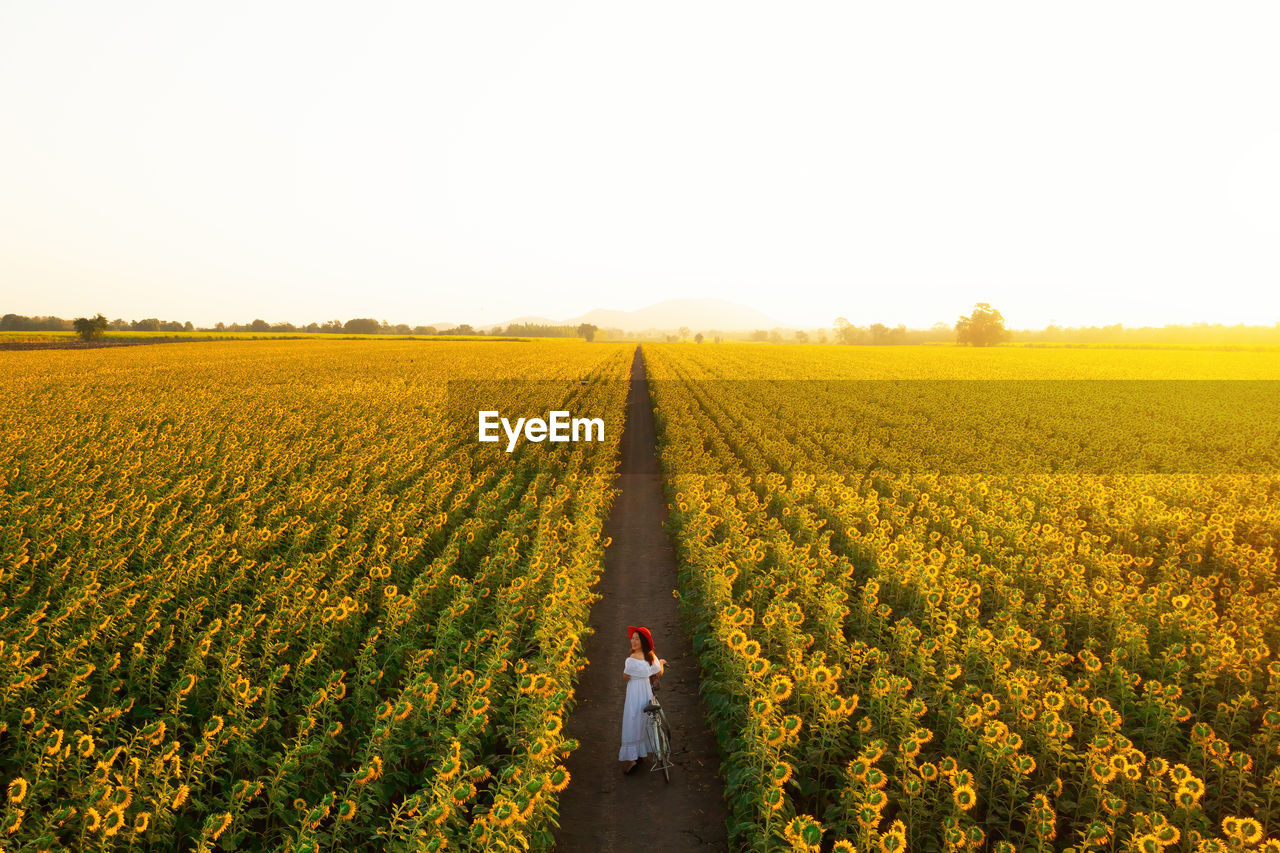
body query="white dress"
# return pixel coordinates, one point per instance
(639, 694)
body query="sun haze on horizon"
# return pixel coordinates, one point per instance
(1090, 164)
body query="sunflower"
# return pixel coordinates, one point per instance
(773, 798)
(464, 791)
(1113, 805)
(965, 797)
(1246, 829)
(223, 821)
(1193, 785)
(113, 822)
(1147, 843)
(17, 791)
(804, 833)
(894, 840)
(55, 743)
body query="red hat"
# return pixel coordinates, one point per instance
(631, 629)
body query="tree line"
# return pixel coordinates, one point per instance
(984, 326)
(19, 323)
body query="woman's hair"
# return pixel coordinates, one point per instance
(645, 646)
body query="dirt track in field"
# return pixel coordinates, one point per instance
(602, 810)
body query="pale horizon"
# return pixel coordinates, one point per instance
(1086, 165)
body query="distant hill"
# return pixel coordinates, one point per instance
(536, 321)
(697, 314)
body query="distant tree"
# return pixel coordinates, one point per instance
(760, 335)
(464, 329)
(775, 337)
(312, 328)
(983, 328)
(19, 323)
(822, 336)
(717, 339)
(684, 332)
(697, 339)
(587, 331)
(424, 330)
(802, 336)
(90, 328)
(151, 324)
(120, 324)
(846, 332)
(671, 339)
(188, 326)
(259, 326)
(403, 329)
(331, 326)
(362, 326)
(219, 326)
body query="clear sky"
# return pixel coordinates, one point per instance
(1085, 162)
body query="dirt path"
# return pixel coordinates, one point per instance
(602, 810)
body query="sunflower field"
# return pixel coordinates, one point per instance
(951, 599)
(261, 595)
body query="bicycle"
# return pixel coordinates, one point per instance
(658, 736)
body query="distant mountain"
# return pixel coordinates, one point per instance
(537, 321)
(700, 315)
(697, 314)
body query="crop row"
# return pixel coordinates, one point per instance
(995, 657)
(263, 597)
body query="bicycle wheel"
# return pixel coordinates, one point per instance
(666, 728)
(651, 740)
(659, 744)
(664, 752)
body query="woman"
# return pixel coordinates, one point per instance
(639, 666)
